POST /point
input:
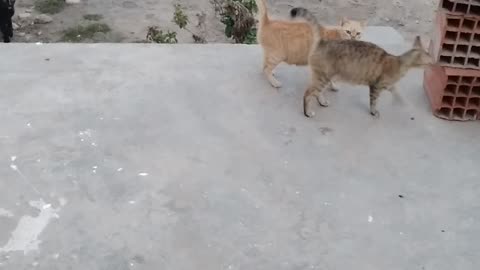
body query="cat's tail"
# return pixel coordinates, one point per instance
(300, 12)
(262, 12)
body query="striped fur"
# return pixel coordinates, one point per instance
(288, 41)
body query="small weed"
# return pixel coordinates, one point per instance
(80, 32)
(49, 6)
(181, 20)
(237, 16)
(251, 37)
(156, 35)
(198, 39)
(93, 17)
(201, 24)
(179, 16)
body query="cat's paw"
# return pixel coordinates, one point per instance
(275, 83)
(375, 114)
(309, 113)
(333, 89)
(323, 101)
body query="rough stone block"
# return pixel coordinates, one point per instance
(456, 41)
(454, 93)
(461, 7)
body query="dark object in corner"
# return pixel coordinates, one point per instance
(7, 10)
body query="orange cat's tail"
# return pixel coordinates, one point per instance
(262, 11)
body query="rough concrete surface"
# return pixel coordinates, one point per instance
(135, 156)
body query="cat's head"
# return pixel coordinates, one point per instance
(352, 29)
(419, 56)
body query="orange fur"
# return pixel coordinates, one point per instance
(287, 41)
(333, 33)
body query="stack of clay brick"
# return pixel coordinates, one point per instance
(453, 85)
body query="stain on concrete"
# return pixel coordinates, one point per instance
(5, 213)
(25, 237)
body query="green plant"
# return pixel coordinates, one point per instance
(251, 5)
(181, 20)
(179, 16)
(49, 6)
(80, 32)
(237, 16)
(158, 36)
(93, 17)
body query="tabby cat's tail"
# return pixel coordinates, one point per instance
(300, 12)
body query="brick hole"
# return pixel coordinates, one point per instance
(467, 80)
(458, 113)
(447, 5)
(475, 10)
(461, 102)
(454, 23)
(448, 47)
(447, 101)
(465, 37)
(473, 62)
(444, 112)
(459, 60)
(462, 50)
(471, 114)
(463, 90)
(453, 79)
(474, 102)
(451, 89)
(475, 51)
(460, 7)
(476, 91)
(445, 59)
(476, 37)
(468, 24)
(451, 36)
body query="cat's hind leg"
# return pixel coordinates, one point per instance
(269, 64)
(315, 91)
(375, 91)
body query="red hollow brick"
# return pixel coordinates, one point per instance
(461, 7)
(454, 93)
(456, 41)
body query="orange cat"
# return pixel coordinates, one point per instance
(348, 29)
(291, 41)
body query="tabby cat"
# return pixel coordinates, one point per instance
(291, 41)
(356, 62)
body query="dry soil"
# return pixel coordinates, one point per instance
(129, 19)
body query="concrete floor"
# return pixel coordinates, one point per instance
(131, 156)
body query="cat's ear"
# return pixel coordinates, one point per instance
(343, 21)
(417, 44)
(364, 23)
